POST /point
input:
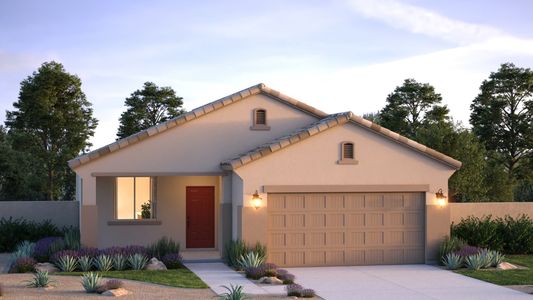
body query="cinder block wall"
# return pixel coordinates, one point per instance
(459, 211)
(61, 213)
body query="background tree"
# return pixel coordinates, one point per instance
(412, 106)
(502, 117)
(148, 107)
(52, 122)
(19, 180)
(414, 110)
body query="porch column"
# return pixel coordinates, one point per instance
(88, 211)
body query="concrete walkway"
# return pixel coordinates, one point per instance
(216, 275)
(398, 282)
(4, 262)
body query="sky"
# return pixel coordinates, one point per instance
(335, 55)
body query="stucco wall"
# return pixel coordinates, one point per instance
(313, 162)
(170, 211)
(496, 209)
(201, 144)
(61, 213)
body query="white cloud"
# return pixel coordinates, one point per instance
(423, 21)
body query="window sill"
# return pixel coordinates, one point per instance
(134, 222)
(260, 127)
(347, 162)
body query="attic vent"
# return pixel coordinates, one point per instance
(347, 151)
(347, 154)
(260, 117)
(259, 120)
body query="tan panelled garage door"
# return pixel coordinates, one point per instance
(346, 228)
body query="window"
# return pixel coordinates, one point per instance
(347, 154)
(134, 198)
(259, 120)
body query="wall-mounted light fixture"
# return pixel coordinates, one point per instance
(441, 198)
(256, 200)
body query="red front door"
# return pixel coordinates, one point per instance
(200, 216)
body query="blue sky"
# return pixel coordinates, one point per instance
(335, 55)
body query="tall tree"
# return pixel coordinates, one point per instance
(469, 183)
(414, 110)
(502, 117)
(52, 121)
(148, 107)
(411, 106)
(19, 179)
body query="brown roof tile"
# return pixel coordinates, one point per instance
(326, 121)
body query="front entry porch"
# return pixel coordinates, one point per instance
(189, 209)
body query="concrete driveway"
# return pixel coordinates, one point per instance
(398, 282)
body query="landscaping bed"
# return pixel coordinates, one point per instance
(182, 278)
(69, 287)
(506, 277)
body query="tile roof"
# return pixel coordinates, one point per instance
(326, 121)
(189, 116)
(324, 124)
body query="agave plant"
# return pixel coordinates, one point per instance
(452, 261)
(251, 259)
(67, 263)
(474, 262)
(24, 249)
(137, 261)
(120, 262)
(486, 257)
(103, 262)
(85, 263)
(40, 279)
(497, 258)
(233, 293)
(90, 282)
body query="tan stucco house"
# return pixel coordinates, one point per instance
(329, 189)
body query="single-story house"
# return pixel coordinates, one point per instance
(316, 188)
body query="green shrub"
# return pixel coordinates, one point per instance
(234, 251)
(509, 235)
(452, 261)
(163, 247)
(71, 238)
(517, 234)
(14, 231)
(449, 245)
(237, 249)
(40, 279)
(480, 232)
(233, 293)
(90, 282)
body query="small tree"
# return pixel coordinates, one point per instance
(148, 107)
(412, 106)
(52, 122)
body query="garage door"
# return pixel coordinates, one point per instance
(346, 228)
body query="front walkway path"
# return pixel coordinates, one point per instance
(398, 282)
(216, 275)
